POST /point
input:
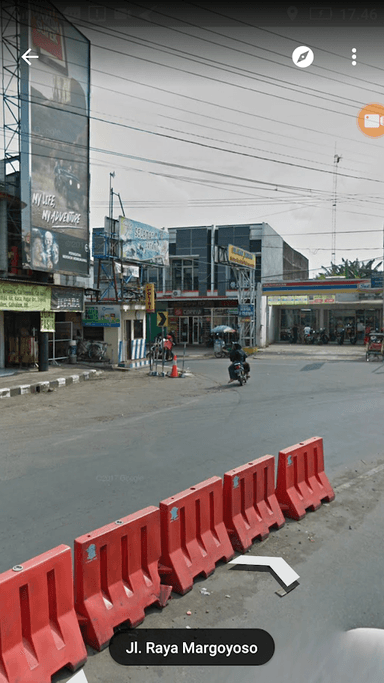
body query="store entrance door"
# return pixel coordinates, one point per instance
(195, 330)
(184, 330)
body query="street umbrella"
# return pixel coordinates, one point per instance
(223, 329)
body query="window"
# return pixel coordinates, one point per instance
(185, 274)
(138, 329)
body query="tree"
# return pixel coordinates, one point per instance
(350, 269)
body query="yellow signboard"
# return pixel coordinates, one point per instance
(20, 297)
(150, 298)
(47, 321)
(240, 257)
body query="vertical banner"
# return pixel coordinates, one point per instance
(55, 224)
(150, 298)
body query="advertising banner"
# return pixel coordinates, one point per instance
(240, 257)
(67, 299)
(47, 321)
(144, 243)
(102, 316)
(56, 235)
(20, 297)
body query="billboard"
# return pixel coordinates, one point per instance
(240, 257)
(55, 162)
(141, 242)
(101, 316)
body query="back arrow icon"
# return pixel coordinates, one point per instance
(26, 56)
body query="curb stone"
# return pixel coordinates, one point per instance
(49, 385)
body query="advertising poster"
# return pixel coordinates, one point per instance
(57, 239)
(47, 321)
(142, 242)
(102, 316)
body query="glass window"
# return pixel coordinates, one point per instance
(176, 274)
(138, 329)
(187, 277)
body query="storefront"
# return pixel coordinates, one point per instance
(192, 321)
(23, 306)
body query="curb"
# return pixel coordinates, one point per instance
(49, 385)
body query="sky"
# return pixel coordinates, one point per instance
(206, 120)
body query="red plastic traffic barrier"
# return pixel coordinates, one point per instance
(193, 534)
(250, 503)
(117, 575)
(39, 632)
(301, 481)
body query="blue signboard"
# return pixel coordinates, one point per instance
(246, 310)
(377, 281)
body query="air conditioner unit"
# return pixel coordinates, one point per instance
(176, 292)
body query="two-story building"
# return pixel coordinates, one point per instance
(199, 293)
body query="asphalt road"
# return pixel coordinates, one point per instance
(72, 462)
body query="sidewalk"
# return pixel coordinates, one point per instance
(327, 352)
(31, 381)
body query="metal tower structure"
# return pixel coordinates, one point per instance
(246, 295)
(336, 161)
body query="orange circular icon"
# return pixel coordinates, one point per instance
(371, 120)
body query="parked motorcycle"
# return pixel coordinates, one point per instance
(340, 335)
(157, 348)
(320, 337)
(350, 333)
(310, 337)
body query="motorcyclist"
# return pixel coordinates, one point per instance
(237, 354)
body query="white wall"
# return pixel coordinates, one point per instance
(271, 251)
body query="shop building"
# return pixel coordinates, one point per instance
(32, 302)
(329, 304)
(200, 294)
(122, 250)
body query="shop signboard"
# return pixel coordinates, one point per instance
(55, 150)
(47, 321)
(101, 316)
(150, 298)
(246, 310)
(325, 299)
(67, 299)
(240, 257)
(21, 297)
(377, 281)
(287, 300)
(144, 243)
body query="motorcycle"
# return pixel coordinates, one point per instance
(320, 337)
(157, 348)
(310, 337)
(340, 336)
(350, 334)
(239, 372)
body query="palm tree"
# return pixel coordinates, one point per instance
(350, 269)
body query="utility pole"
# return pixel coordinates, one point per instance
(111, 175)
(336, 160)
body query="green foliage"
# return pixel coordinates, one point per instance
(350, 270)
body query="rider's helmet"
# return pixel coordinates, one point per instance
(237, 345)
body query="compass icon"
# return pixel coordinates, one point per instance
(302, 56)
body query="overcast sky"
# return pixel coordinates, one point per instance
(213, 124)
